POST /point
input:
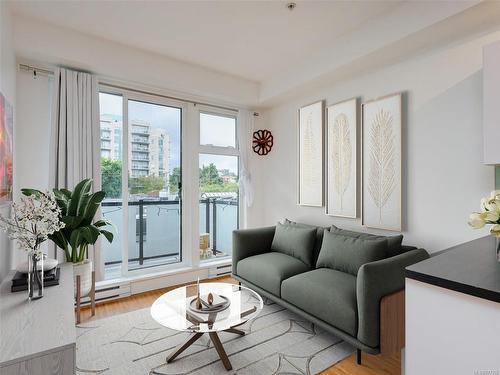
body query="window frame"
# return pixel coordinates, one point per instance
(222, 151)
(185, 238)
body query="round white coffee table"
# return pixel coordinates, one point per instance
(172, 311)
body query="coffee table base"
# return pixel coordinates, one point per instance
(215, 340)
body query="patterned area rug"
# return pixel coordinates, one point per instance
(276, 342)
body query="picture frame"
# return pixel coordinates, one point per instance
(382, 163)
(311, 155)
(341, 159)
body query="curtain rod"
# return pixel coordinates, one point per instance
(36, 70)
(29, 68)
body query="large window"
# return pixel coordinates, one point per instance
(170, 173)
(218, 185)
(143, 138)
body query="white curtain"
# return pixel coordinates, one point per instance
(75, 141)
(246, 128)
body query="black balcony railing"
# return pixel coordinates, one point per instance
(211, 221)
(211, 206)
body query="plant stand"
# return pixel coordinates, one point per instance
(79, 297)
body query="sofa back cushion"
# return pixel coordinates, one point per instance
(295, 241)
(393, 242)
(319, 236)
(348, 254)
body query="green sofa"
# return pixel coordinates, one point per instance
(345, 303)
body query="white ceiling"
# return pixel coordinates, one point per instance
(271, 51)
(254, 40)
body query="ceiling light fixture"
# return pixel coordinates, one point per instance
(291, 6)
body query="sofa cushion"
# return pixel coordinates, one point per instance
(393, 242)
(269, 270)
(327, 294)
(348, 254)
(319, 235)
(295, 241)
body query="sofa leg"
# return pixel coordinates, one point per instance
(358, 356)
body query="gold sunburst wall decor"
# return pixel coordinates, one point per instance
(382, 163)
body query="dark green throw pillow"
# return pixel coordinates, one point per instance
(393, 242)
(295, 241)
(319, 234)
(348, 254)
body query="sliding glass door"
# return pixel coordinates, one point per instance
(141, 175)
(154, 148)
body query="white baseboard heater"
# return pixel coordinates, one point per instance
(109, 293)
(219, 271)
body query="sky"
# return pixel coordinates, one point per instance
(215, 130)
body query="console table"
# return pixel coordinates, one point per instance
(38, 337)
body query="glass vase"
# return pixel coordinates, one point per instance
(498, 248)
(35, 276)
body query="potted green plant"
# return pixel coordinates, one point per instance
(77, 211)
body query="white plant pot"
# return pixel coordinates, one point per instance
(84, 270)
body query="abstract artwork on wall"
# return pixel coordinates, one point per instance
(341, 141)
(6, 144)
(311, 155)
(382, 163)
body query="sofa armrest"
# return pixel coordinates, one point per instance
(248, 242)
(376, 280)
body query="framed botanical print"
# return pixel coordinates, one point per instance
(341, 160)
(310, 151)
(381, 181)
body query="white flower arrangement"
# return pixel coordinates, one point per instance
(32, 221)
(490, 214)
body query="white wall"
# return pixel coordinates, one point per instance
(8, 88)
(31, 143)
(443, 174)
(33, 131)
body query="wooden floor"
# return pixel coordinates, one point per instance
(372, 365)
